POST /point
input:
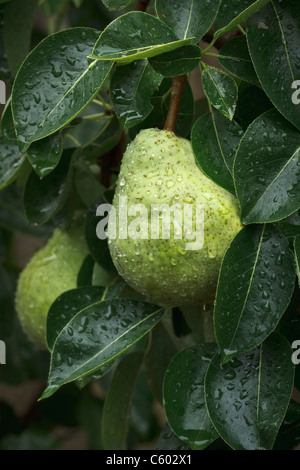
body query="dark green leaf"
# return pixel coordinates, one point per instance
(135, 35)
(215, 141)
(54, 84)
(11, 161)
(290, 226)
(167, 440)
(289, 434)
(191, 18)
(184, 400)
(252, 103)
(117, 405)
(96, 336)
(220, 90)
(273, 36)
(231, 16)
(178, 62)
(131, 87)
(85, 274)
(248, 397)
(297, 256)
(255, 286)
(7, 124)
(87, 184)
(235, 57)
(267, 169)
(44, 155)
(117, 4)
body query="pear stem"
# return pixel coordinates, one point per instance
(141, 5)
(176, 95)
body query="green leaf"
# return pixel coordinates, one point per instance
(255, 286)
(297, 256)
(220, 90)
(135, 35)
(55, 83)
(131, 87)
(252, 103)
(43, 199)
(118, 401)
(184, 400)
(7, 124)
(85, 274)
(289, 434)
(215, 141)
(167, 440)
(273, 38)
(191, 18)
(66, 306)
(11, 161)
(117, 4)
(44, 155)
(267, 169)
(247, 398)
(229, 18)
(100, 332)
(86, 183)
(235, 57)
(178, 62)
(18, 21)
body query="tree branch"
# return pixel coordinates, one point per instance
(141, 5)
(176, 95)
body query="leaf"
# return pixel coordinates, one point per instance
(117, 405)
(229, 18)
(44, 155)
(117, 4)
(66, 306)
(252, 103)
(86, 183)
(43, 199)
(131, 87)
(7, 124)
(178, 62)
(100, 332)
(255, 286)
(85, 274)
(220, 90)
(167, 440)
(191, 18)
(10, 163)
(215, 141)
(247, 398)
(297, 256)
(184, 400)
(235, 57)
(135, 35)
(273, 37)
(289, 434)
(267, 169)
(55, 83)
(18, 21)
(290, 226)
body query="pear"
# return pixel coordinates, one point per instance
(51, 271)
(159, 171)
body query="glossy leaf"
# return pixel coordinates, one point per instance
(235, 57)
(184, 400)
(220, 90)
(101, 332)
(290, 226)
(7, 124)
(118, 401)
(43, 199)
(11, 160)
(273, 38)
(252, 103)
(85, 274)
(215, 140)
(44, 155)
(230, 17)
(131, 87)
(297, 256)
(167, 440)
(18, 21)
(178, 62)
(267, 169)
(191, 18)
(135, 35)
(54, 84)
(117, 4)
(288, 437)
(247, 398)
(255, 286)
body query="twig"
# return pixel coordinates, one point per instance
(176, 94)
(141, 5)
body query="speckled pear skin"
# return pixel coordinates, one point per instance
(159, 167)
(51, 271)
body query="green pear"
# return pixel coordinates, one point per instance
(159, 171)
(51, 271)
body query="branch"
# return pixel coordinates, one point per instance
(141, 5)
(176, 95)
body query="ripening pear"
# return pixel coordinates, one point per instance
(51, 271)
(170, 225)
